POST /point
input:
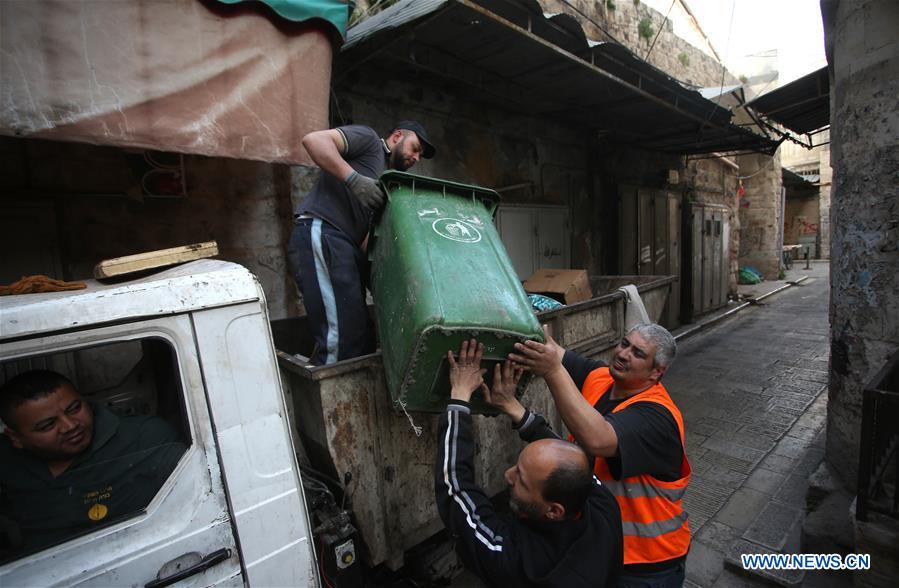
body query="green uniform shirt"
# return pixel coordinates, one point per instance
(128, 460)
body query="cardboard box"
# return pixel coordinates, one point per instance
(565, 285)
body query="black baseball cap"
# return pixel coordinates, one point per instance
(427, 150)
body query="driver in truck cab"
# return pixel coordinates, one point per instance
(68, 465)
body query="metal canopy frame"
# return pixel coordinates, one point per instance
(513, 56)
(802, 107)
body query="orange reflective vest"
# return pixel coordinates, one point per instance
(654, 522)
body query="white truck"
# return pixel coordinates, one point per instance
(294, 475)
(191, 344)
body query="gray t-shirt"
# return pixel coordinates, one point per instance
(331, 200)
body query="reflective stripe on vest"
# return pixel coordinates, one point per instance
(654, 523)
(638, 490)
(655, 528)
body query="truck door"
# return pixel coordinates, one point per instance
(259, 465)
(141, 373)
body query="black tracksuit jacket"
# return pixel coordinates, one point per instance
(506, 551)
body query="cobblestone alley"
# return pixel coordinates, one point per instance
(753, 394)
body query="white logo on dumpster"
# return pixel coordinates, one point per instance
(456, 230)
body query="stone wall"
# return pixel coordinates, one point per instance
(671, 54)
(244, 205)
(800, 159)
(825, 189)
(801, 216)
(761, 214)
(545, 162)
(863, 57)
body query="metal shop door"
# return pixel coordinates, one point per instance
(708, 259)
(649, 239)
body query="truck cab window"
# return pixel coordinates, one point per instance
(89, 438)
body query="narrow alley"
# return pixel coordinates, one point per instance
(245, 246)
(752, 391)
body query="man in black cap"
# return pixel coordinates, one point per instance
(327, 248)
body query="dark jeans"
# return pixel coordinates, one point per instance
(670, 578)
(329, 270)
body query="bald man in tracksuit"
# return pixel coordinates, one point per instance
(565, 526)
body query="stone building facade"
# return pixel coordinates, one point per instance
(761, 214)
(755, 237)
(863, 58)
(523, 152)
(814, 163)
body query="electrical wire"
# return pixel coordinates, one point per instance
(659, 32)
(730, 26)
(321, 563)
(321, 476)
(733, 8)
(317, 486)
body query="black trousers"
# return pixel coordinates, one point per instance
(330, 271)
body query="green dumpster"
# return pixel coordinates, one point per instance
(441, 275)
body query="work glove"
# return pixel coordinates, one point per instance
(366, 190)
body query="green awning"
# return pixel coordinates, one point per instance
(336, 12)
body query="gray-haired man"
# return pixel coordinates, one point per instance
(622, 415)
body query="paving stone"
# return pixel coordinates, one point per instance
(693, 441)
(817, 376)
(793, 490)
(742, 508)
(792, 447)
(717, 535)
(700, 465)
(760, 442)
(789, 411)
(776, 417)
(755, 405)
(771, 430)
(725, 447)
(813, 418)
(827, 579)
(795, 387)
(696, 522)
(734, 463)
(730, 579)
(704, 563)
(788, 578)
(741, 415)
(810, 461)
(765, 481)
(778, 463)
(791, 404)
(705, 498)
(720, 477)
(772, 526)
(807, 434)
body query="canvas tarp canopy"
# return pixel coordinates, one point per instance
(188, 76)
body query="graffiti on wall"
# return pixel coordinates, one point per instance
(802, 226)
